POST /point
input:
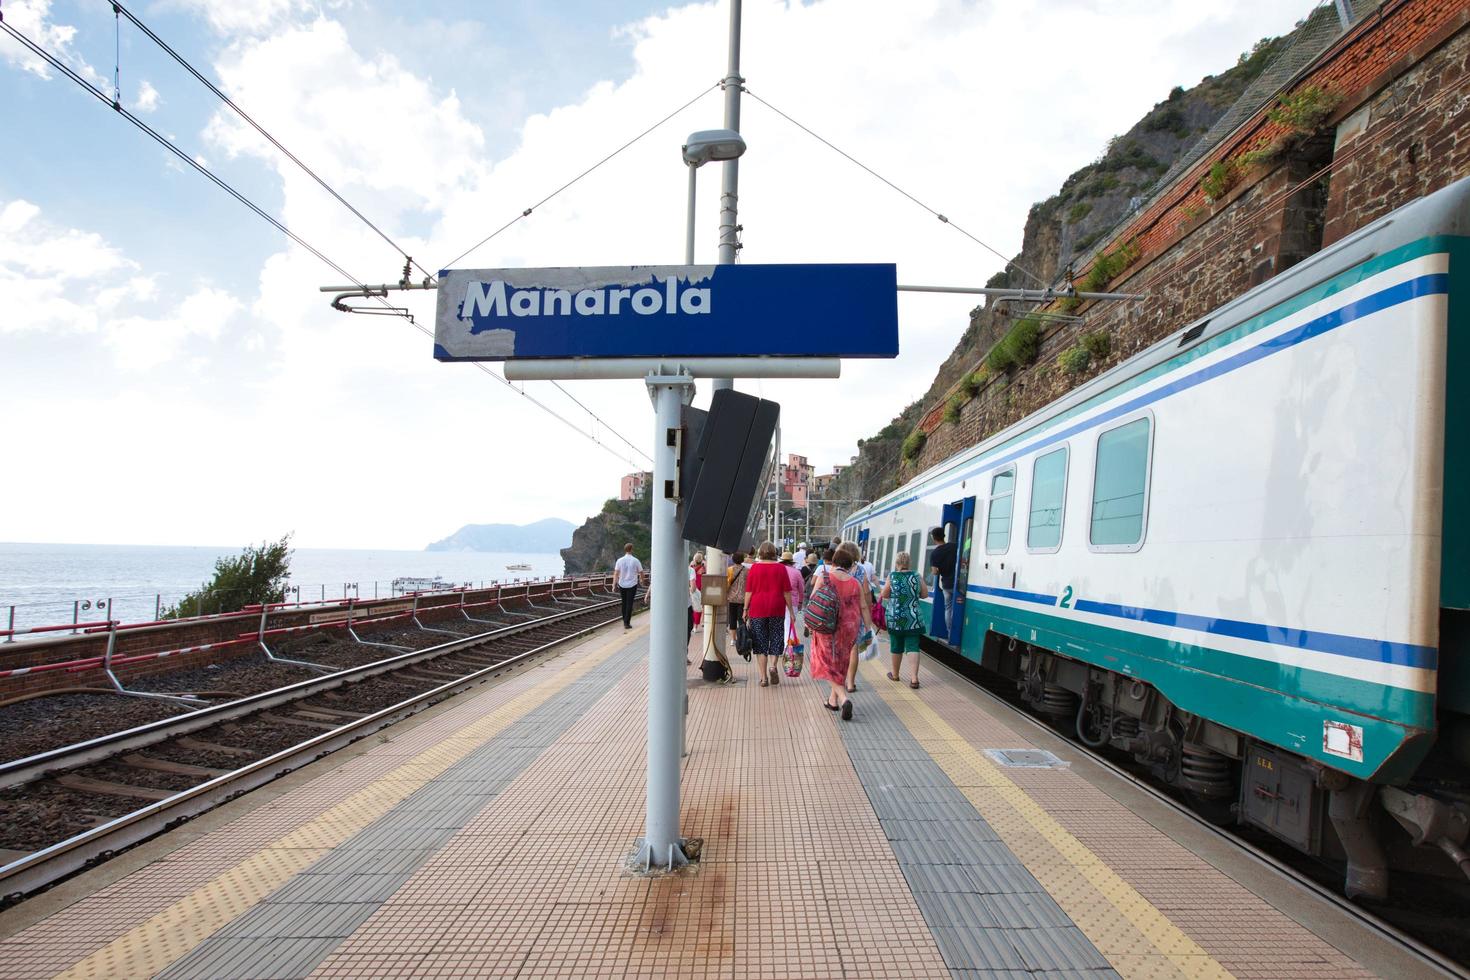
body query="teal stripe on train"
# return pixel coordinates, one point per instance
(1231, 690)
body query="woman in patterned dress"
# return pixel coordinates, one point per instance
(900, 597)
(832, 652)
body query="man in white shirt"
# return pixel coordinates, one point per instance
(628, 572)
(799, 559)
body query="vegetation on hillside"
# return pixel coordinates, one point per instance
(631, 520)
(1060, 231)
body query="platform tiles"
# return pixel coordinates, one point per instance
(488, 841)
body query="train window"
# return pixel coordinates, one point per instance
(917, 557)
(998, 526)
(888, 558)
(1048, 495)
(1120, 486)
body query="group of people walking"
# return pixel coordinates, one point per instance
(829, 596)
(828, 599)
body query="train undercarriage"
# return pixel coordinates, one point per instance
(1371, 830)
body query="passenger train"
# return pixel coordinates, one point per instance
(1243, 555)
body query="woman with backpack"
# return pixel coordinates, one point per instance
(837, 609)
(900, 598)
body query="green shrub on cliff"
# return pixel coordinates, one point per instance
(914, 444)
(256, 575)
(1074, 360)
(1017, 348)
(1098, 344)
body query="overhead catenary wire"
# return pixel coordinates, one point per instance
(168, 145)
(943, 218)
(219, 182)
(119, 8)
(527, 212)
(203, 80)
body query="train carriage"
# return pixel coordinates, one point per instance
(1243, 555)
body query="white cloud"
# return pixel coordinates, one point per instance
(31, 246)
(308, 87)
(64, 282)
(33, 19)
(141, 343)
(47, 273)
(234, 17)
(147, 99)
(950, 99)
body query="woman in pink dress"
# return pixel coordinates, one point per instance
(831, 652)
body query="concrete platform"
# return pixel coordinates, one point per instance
(487, 839)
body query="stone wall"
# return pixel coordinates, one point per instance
(1402, 78)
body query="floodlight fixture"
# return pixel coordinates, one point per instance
(713, 144)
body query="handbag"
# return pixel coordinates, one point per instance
(794, 651)
(744, 642)
(821, 609)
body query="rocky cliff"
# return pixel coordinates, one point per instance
(599, 542)
(1060, 232)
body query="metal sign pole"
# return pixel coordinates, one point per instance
(714, 560)
(661, 845)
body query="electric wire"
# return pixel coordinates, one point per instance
(234, 107)
(164, 142)
(1010, 263)
(203, 80)
(527, 212)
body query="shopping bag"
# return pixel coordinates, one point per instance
(866, 647)
(794, 652)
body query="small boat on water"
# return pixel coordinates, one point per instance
(520, 567)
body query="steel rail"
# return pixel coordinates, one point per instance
(18, 771)
(1427, 955)
(45, 867)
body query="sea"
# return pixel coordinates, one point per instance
(47, 583)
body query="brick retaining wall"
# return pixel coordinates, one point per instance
(1398, 133)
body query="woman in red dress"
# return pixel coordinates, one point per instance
(767, 602)
(831, 651)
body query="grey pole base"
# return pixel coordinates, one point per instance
(643, 860)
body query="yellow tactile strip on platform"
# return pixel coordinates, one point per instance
(158, 941)
(1136, 937)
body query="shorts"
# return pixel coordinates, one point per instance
(734, 611)
(769, 635)
(904, 641)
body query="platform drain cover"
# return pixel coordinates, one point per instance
(1025, 759)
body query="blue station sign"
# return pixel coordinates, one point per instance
(668, 311)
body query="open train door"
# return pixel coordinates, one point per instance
(958, 521)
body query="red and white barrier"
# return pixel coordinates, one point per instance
(103, 624)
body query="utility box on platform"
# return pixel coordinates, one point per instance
(732, 462)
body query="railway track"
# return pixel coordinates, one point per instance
(1432, 959)
(72, 807)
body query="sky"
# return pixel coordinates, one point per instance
(171, 374)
